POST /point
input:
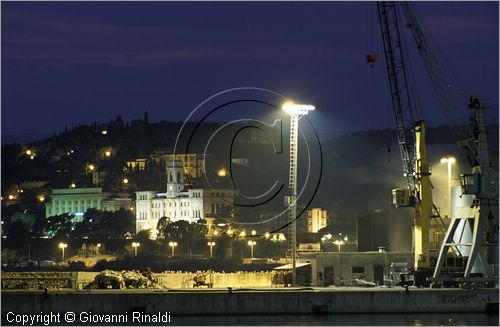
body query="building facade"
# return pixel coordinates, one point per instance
(340, 268)
(78, 200)
(193, 163)
(178, 203)
(317, 219)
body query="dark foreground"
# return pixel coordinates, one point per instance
(310, 306)
(429, 319)
(381, 319)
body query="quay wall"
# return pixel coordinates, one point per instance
(219, 280)
(80, 279)
(253, 302)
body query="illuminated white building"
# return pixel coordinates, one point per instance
(178, 203)
(317, 219)
(76, 201)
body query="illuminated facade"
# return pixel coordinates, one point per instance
(178, 203)
(78, 200)
(193, 163)
(317, 219)
(137, 164)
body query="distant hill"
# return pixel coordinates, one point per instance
(24, 138)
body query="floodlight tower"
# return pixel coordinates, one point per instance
(295, 111)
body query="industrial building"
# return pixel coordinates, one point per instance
(340, 268)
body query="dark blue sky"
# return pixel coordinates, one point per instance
(65, 63)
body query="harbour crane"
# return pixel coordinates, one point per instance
(411, 141)
(481, 217)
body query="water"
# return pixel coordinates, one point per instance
(430, 319)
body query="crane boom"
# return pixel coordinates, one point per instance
(444, 87)
(411, 138)
(398, 82)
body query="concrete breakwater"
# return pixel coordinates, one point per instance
(252, 301)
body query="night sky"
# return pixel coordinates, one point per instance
(75, 62)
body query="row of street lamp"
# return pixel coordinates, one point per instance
(172, 245)
(63, 247)
(338, 242)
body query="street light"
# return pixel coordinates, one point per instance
(63, 246)
(254, 233)
(338, 243)
(222, 172)
(211, 245)
(172, 245)
(98, 247)
(294, 110)
(135, 245)
(251, 244)
(449, 160)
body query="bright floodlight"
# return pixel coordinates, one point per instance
(296, 109)
(448, 159)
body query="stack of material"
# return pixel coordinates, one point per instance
(108, 279)
(124, 279)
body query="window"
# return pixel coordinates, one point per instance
(358, 270)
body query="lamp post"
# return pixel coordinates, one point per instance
(135, 245)
(63, 246)
(338, 243)
(294, 110)
(172, 245)
(98, 248)
(449, 160)
(251, 244)
(211, 245)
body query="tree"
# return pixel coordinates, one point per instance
(147, 246)
(185, 233)
(18, 234)
(59, 226)
(10, 256)
(162, 224)
(108, 225)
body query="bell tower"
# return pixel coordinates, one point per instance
(175, 178)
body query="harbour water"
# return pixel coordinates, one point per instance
(431, 319)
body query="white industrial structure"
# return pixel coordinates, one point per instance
(294, 110)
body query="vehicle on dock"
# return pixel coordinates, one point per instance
(399, 275)
(204, 279)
